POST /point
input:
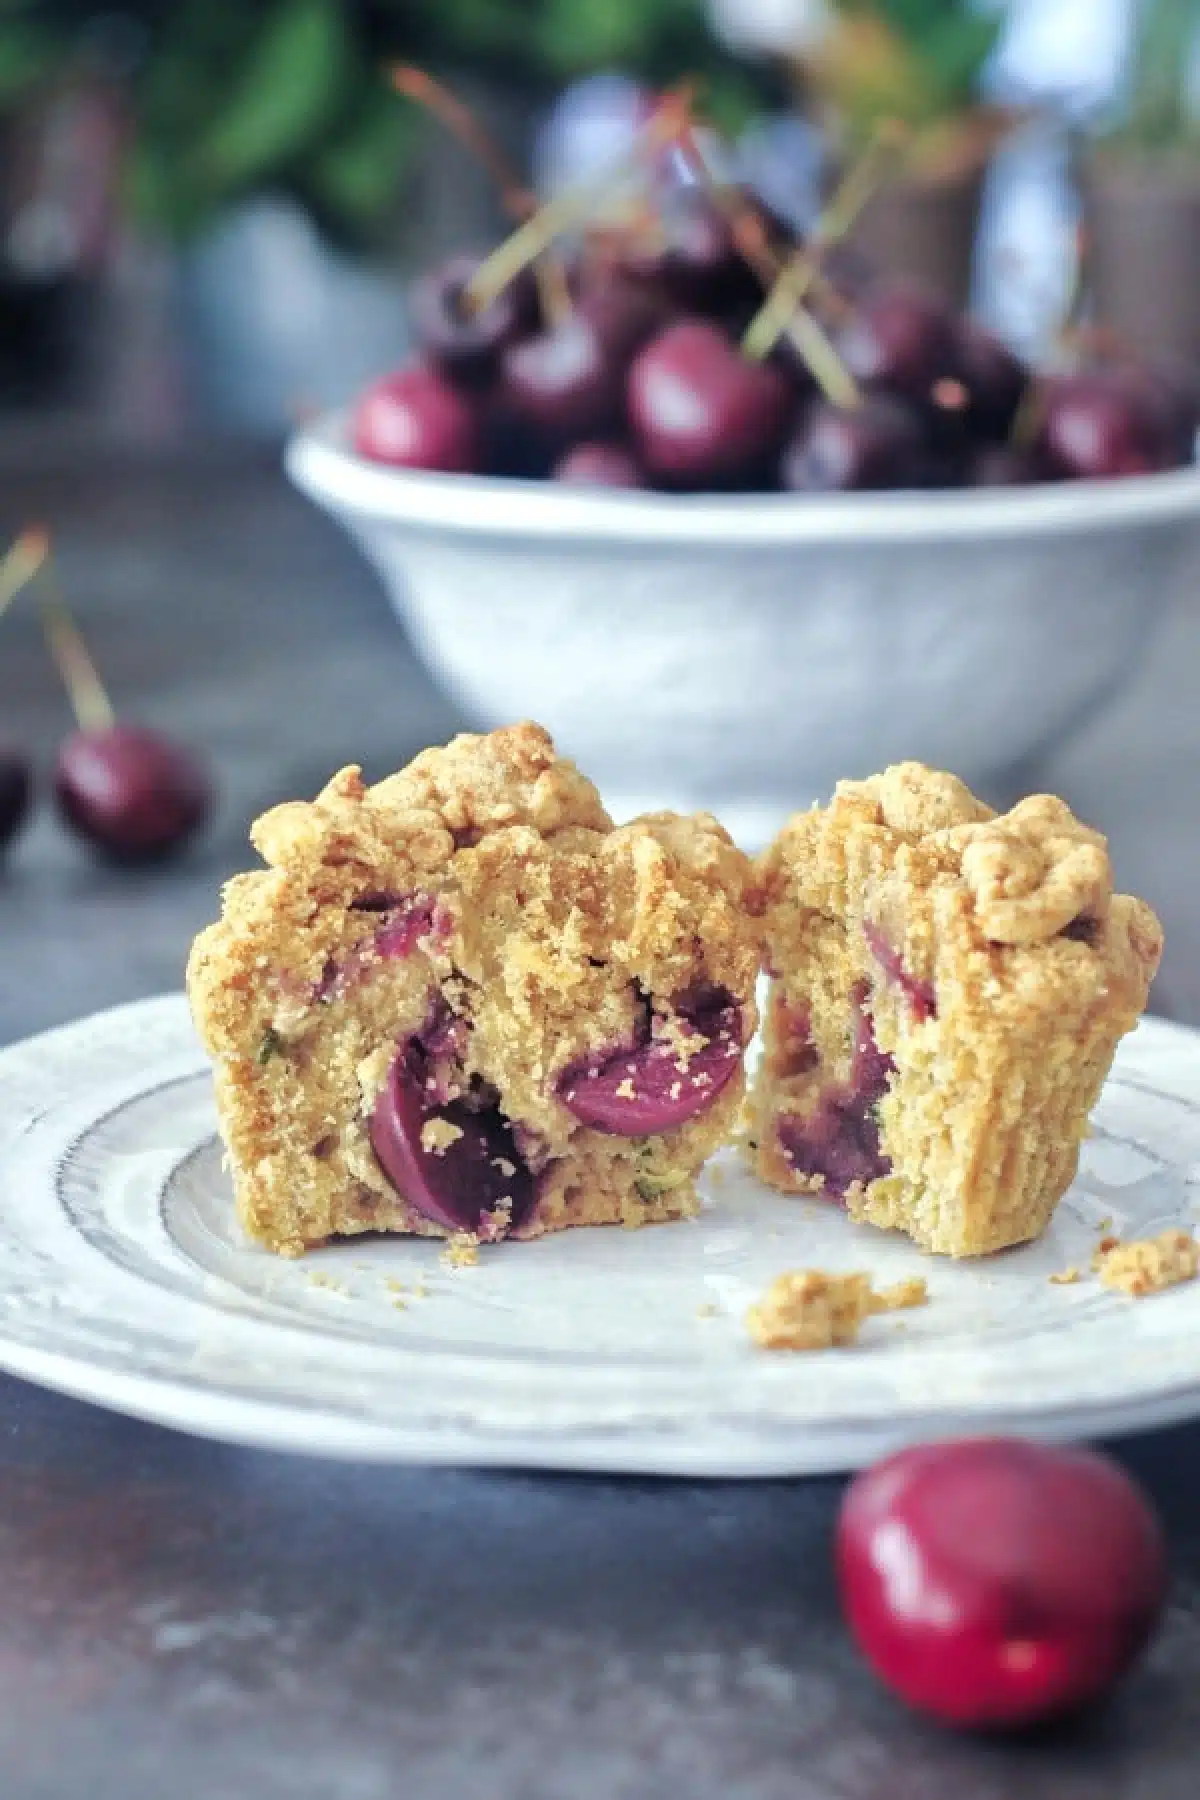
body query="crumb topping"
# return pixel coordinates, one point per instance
(914, 801)
(810, 1309)
(446, 799)
(1034, 871)
(1148, 1265)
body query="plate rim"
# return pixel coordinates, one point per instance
(754, 1446)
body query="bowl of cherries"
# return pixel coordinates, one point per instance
(733, 516)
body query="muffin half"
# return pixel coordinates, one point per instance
(461, 1001)
(948, 991)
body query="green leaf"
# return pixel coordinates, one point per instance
(354, 179)
(1162, 107)
(955, 55)
(730, 100)
(292, 85)
(27, 53)
(606, 32)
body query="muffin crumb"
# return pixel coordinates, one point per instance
(462, 1251)
(1149, 1265)
(437, 1135)
(810, 1309)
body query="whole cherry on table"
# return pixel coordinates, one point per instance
(996, 1583)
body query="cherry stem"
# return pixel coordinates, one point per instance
(21, 564)
(458, 119)
(554, 293)
(749, 235)
(803, 269)
(517, 199)
(1077, 296)
(572, 206)
(1027, 420)
(88, 696)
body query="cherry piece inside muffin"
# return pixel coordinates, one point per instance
(948, 991)
(461, 1001)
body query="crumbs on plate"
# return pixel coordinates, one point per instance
(809, 1309)
(462, 1251)
(1147, 1265)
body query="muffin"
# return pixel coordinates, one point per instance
(462, 1002)
(948, 989)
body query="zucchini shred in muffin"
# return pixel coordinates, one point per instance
(948, 990)
(462, 1001)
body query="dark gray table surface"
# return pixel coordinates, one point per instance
(188, 1620)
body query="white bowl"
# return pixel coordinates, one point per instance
(742, 653)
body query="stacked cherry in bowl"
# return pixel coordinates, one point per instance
(652, 369)
(895, 554)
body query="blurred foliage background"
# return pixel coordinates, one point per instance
(227, 98)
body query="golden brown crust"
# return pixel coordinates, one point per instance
(536, 924)
(999, 971)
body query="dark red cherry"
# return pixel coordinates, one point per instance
(565, 382)
(626, 314)
(465, 344)
(1100, 424)
(662, 1083)
(600, 465)
(132, 793)
(847, 271)
(512, 447)
(920, 994)
(995, 380)
(691, 254)
(703, 415)
(1006, 465)
(417, 420)
(1172, 391)
(993, 1583)
(839, 449)
(839, 1141)
(568, 382)
(16, 793)
(900, 339)
(452, 1184)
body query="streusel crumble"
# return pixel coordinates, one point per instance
(948, 991)
(461, 1001)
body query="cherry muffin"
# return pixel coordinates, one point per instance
(461, 1001)
(948, 991)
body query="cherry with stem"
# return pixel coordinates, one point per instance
(462, 340)
(133, 794)
(17, 570)
(575, 204)
(795, 280)
(750, 239)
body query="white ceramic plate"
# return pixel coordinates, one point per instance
(124, 1280)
